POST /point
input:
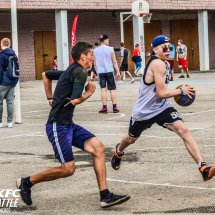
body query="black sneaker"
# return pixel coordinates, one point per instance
(116, 159)
(207, 172)
(181, 76)
(25, 191)
(115, 110)
(103, 110)
(188, 76)
(112, 199)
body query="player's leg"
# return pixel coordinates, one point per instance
(10, 106)
(135, 130)
(173, 121)
(3, 92)
(61, 139)
(85, 140)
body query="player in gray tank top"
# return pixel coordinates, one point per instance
(152, 107)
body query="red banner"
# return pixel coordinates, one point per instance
(73, 34)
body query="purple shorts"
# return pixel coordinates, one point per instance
(64, 137)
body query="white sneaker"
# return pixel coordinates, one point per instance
(1, 125)
(10, 125)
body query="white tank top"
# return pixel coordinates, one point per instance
(148, 104)
(103, 56)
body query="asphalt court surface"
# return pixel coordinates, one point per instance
(156, 171)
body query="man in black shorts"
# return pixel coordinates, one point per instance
(152, 106)
(124, 62)
(63, 133)
(105, 63)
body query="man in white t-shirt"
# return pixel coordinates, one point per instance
(181, 51)
(105, 62)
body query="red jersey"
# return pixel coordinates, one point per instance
(136, 52)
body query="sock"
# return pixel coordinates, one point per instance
(104, 107)
(114, 106)
(104, 193)
(118, 151)
(203, 163)
(27, 182)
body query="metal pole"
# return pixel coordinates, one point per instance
(15, 48)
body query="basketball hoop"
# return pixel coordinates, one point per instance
(140, 8)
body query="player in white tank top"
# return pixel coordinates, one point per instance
(153, 99)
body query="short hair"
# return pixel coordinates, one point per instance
(122, 44)
(96, 44)
(79, 49)
(180, 40)
(5, 42)
(136, 45)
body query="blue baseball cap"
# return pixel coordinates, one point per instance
(161, 39)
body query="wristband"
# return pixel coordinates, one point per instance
(49, 98)
(182, 91)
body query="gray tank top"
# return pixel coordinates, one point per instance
(148, 104)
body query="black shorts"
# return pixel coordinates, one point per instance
(107, 79)
(168, 116)
(124, 67)
(53, 74)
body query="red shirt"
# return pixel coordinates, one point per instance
(136, 52)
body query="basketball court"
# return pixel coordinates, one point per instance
(157, 171)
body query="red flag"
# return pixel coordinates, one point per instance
(73, 35)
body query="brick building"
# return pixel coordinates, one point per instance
(40, 21)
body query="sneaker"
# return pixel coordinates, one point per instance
(103, 110)
(116, 159)
(10, 125)
(207, 172)
(181, 76)
(1, 125)
(25, 191)
(115, 110)
(171, 79)
(113, 199)
(132, 81)
(188, 76)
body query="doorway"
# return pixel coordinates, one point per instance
(45, 51)
(187, 30)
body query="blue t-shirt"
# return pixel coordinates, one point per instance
(172, 51)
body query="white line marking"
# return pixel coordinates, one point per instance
(204, 111)
(162, 185)
(117, 117)
(21, 135)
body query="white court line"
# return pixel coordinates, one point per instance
(36, 111)
(117, 117)
(204, 111)
(166, 147)
(161, 185)
(18, 158)
(22, 135)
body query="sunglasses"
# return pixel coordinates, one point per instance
(165, 48)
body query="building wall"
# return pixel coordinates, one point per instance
(110, 4)
(90, 26)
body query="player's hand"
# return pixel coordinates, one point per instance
(50, 101)
(118, 76)
(90, 87)
(188, 91)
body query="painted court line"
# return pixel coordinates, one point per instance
(160, 185)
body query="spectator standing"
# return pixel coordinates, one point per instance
(171, 60)
(105, 62)
(124, 62)
(7, 84)
(137, 59)
(181, 51)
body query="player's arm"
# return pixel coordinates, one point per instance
(177, 54)
(48, 88)
(78, 86)
(185, 53)
(158, 68)
(121, 56)
(115, 64)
